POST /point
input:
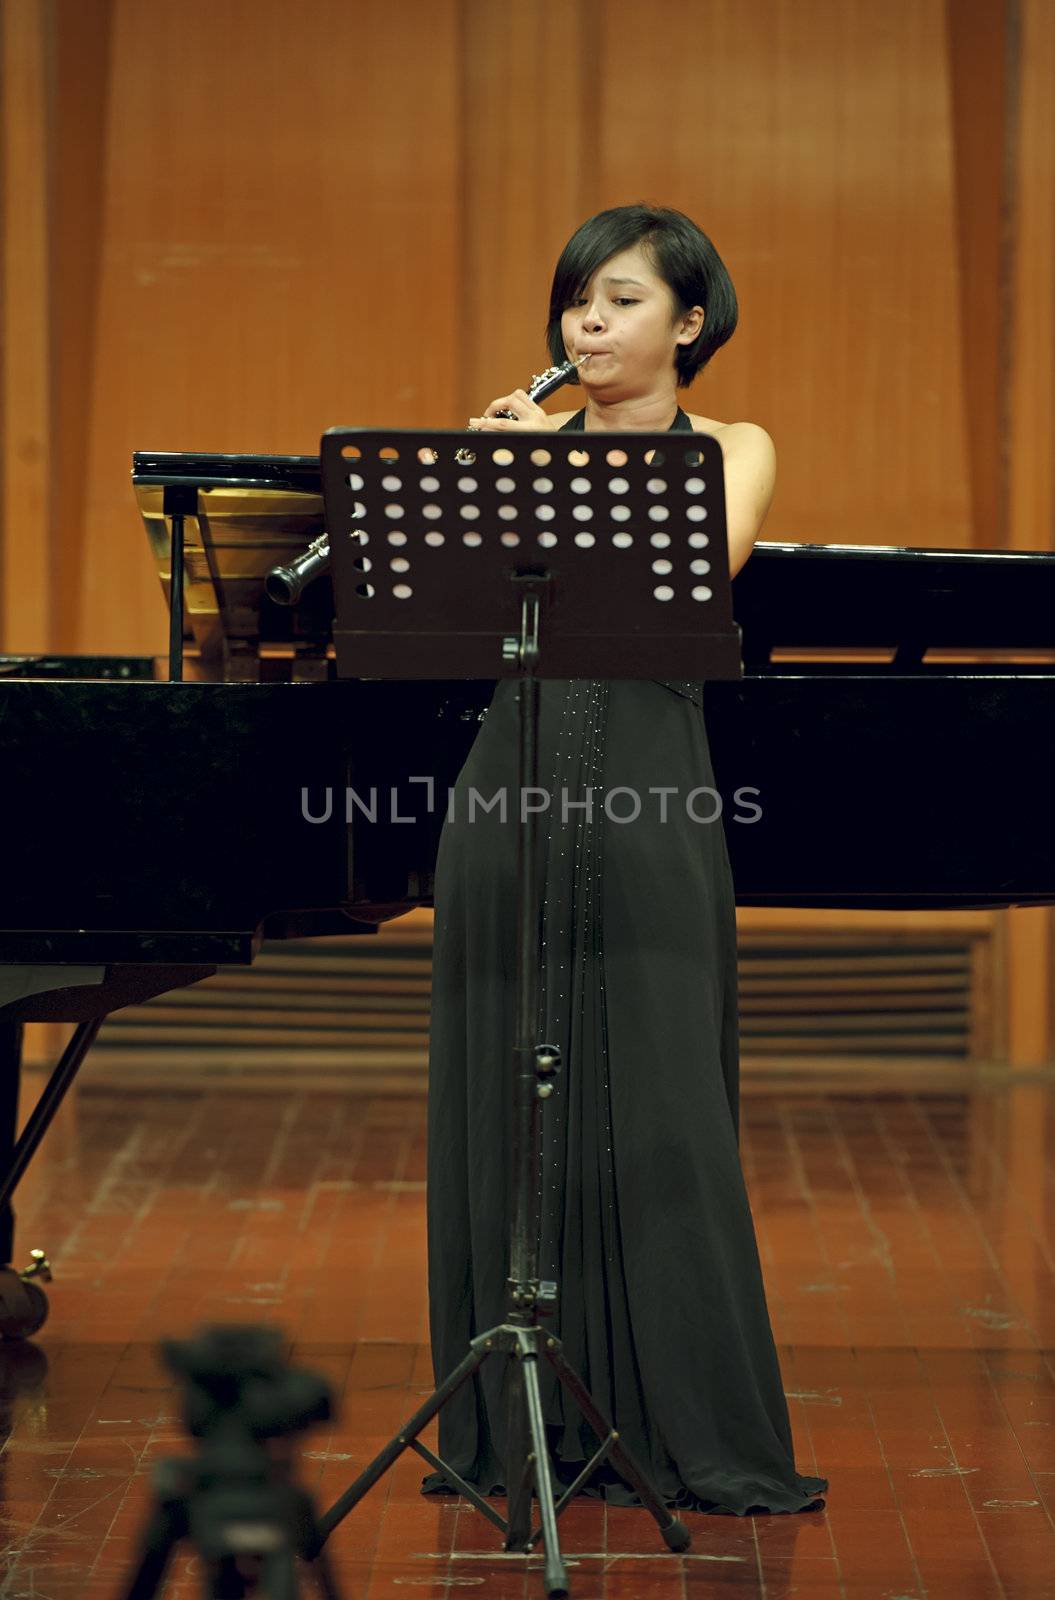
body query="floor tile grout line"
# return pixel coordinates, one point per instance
(797, 1163)
(1042, 1498)
(910, 1547)
(954, 1181)
(924, 1368)
(762, 1585)
(971, 1210)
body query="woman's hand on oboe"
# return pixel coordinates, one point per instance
(525, 414)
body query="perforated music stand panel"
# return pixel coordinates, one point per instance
(430, 556)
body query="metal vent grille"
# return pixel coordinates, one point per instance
(857, 998)
(356, 1009)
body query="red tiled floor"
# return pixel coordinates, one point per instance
(908, 1242)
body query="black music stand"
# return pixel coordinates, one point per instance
(536, 555)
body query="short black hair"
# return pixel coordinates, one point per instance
(684, 257)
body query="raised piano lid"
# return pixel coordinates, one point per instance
(139, 668)
(211, 470)
(804, 596)
(255, 512)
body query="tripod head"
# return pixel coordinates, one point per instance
(237, 1381)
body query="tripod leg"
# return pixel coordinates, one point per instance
(227, 1580)
(279, 1576)
(556, 1578)
(405, 1438)
(166, 1526)
(518, 1462)
(674, 1531)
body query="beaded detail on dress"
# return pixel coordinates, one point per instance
(571, 1001)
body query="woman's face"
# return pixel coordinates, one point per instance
(625, 320)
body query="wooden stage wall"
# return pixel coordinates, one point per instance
(229, 225)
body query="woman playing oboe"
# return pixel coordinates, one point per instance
(645, 1219)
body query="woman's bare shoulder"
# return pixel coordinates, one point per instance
(707, 424)
(559, 418)
(728, 432)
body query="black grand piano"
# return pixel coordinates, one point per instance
(894, 723)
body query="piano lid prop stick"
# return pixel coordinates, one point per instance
(181, 500)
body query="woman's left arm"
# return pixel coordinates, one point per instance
(750, 474)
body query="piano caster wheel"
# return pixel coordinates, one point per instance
(23, 1305)
(39, 1267)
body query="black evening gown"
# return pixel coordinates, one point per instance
(645, 1218)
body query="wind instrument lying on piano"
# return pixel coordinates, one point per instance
(284, 585)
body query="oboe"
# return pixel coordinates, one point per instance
(285, 584)
(542, 384)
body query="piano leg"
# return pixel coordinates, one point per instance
(40, 1118)
(23, 1305)
(10, 1074)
